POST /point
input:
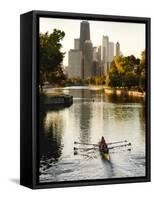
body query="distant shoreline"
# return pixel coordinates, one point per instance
(106, 90)
(124, 92)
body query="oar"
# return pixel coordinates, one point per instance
(117, 142)
(112, 152)
(98, 145)
(123, 145)
(86, 149)
(85, 143)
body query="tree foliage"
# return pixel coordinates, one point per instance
(50, 56)
(127, 72)
(143, 69)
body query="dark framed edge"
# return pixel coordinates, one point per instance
(29, 99)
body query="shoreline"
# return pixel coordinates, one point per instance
(106, 90)
(57, 101)
(124, 92)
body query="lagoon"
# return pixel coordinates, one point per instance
(92, 114)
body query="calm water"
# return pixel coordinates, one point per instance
(92, 115)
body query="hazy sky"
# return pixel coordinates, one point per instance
(131, 36)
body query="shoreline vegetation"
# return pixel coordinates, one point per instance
(54, 100)
(124, 92)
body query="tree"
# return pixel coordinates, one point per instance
(143, 58)
(50, 56)
(131, 76)
(127, 72)
(143, 70)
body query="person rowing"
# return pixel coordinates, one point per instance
(102, 145)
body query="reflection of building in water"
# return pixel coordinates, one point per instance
(97, 123)
(83, 114)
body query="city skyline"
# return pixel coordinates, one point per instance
(85, 61)
(130, 35)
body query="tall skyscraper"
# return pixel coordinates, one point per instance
(74, 63)
(99, 51)
(111, 51)
(99, 60)
(117, 49)
(95, 53)
(105, 54)
(84, 33)
(76, 43)
(105, 49)
(95, 62)
(87, 59)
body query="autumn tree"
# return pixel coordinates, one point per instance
(127, 72)
(51, 57)
(143, 70)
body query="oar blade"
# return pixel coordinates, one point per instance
(123, 141)
(123, 145)
(85, 143)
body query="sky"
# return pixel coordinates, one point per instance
(131, 36)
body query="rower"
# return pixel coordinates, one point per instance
(102, 144)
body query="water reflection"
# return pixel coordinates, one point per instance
(122, 98)
(92, 115)
(50, 137)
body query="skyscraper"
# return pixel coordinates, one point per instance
(76, 43)
(84, 36)
(99, 59)
(74, 63)
(117, 49)
(99, 54)
(84, 33)
(105, 54)
(87, 59)
(95, 62)
(95, 53)
(111, 51)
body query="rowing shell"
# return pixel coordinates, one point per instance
(105, 154)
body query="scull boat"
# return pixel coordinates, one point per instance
(104, 151)
(105, 154)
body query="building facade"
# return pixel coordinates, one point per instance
(111, 52)
(87, 59)
(105, 54)
(84, 33)
(117, 49)
(74, 63)
(76, 43)
(94, 53)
